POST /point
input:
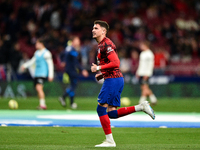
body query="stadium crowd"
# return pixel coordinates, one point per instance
(171, 26)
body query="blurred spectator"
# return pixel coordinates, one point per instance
(125, 62)
(55, 19)
(189, 24)
(198, 70)
(152, 12)
(173, 25)
(136, 21)
(15, 57)
(134, 61)
(28, 73)
(5, 49)
(160, 59)
(2, 72)
(85, 50)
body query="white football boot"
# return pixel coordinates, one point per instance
(106, 144)
(147, 109)
(62, 101)
(74, 106)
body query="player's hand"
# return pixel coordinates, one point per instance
(50, 79)
(85, 73)
(99, 76)
(62, 64)
(94, 67)
(22, 68)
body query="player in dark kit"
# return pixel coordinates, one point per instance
(72, 64)
(109, 96)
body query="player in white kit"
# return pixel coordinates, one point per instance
(145, 71)
(44, 70)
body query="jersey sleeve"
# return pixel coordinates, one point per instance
(109, 49)
(30, 62)
(114, 61)
(48, 58)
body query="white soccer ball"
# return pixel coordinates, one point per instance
(13, 104)
(125, 101)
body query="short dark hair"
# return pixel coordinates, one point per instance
(42, 40)
(102, 24)
(147, 43)
(73, 37)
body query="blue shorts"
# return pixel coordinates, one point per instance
(111, 91)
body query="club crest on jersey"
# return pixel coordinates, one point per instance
(109, 49)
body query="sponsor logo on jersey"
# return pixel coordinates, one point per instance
(109, 49)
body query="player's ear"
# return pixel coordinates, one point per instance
(103, 31)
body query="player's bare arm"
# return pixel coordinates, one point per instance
(85, 73)
(62, 64)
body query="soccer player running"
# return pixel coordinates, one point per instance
(71, 63)
(43, 69)
(145, 71)
(109, 96)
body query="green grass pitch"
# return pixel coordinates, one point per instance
(71, 138)
(90, 103)
(77, 138)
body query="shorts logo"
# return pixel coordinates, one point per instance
(109, 49)
(40, 81)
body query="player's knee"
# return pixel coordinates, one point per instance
(113, 114)
(101, 110)
(38, 87)
(70, 92)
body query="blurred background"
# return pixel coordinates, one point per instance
(172, 27)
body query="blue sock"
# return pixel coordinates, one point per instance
(72, 100)
(113, 114)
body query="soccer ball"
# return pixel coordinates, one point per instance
(13, 104)
(125, 101)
